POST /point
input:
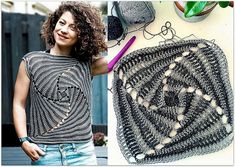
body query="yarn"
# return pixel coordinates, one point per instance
(173, 101)
(115, 29)
(135, 12)
(130, 13)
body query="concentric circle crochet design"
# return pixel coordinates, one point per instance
(173, 101)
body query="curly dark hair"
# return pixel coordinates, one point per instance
(89, 24)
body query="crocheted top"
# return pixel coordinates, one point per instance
(60, 98)
(173, 101)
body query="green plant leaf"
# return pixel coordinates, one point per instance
(223, 4)
(193, 8)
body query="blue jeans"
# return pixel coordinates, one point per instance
(67, 154)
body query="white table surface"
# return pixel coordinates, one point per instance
(219, 26)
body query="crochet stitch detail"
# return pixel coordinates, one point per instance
(173, 101)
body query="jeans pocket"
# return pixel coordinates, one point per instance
(40, 161)
(36, 162)
(42, 147)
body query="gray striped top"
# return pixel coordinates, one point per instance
(60, 97)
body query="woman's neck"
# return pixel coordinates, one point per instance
(58, 51)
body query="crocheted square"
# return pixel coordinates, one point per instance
(173, 101)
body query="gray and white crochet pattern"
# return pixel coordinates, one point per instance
(60, 96)
(173, 101)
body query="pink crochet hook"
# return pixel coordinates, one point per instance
(120, 54)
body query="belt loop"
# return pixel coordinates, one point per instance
(73, 145)
(61, 146)
(45, 148)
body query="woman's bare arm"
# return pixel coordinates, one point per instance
(99, 66)
(19, 101)
(19, 115)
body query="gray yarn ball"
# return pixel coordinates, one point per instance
(135, 12)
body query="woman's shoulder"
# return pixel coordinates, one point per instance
(33, 54)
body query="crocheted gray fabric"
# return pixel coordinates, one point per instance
(135, 12)
(173, 101)
(60, 97)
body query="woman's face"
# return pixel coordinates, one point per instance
(65, 32)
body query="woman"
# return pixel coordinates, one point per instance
(59, 81)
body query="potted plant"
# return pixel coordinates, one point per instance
(99, 139)
(194, 11)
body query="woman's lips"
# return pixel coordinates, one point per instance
(62, 36)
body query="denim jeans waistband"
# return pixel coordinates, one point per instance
(67, 154)
(63, 146)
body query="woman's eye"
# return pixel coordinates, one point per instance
(73, 28)
(61, 22)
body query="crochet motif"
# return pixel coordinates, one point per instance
(173, 101)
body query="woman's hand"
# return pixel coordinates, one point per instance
(32, 150)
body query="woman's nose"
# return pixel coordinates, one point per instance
(64, 29)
